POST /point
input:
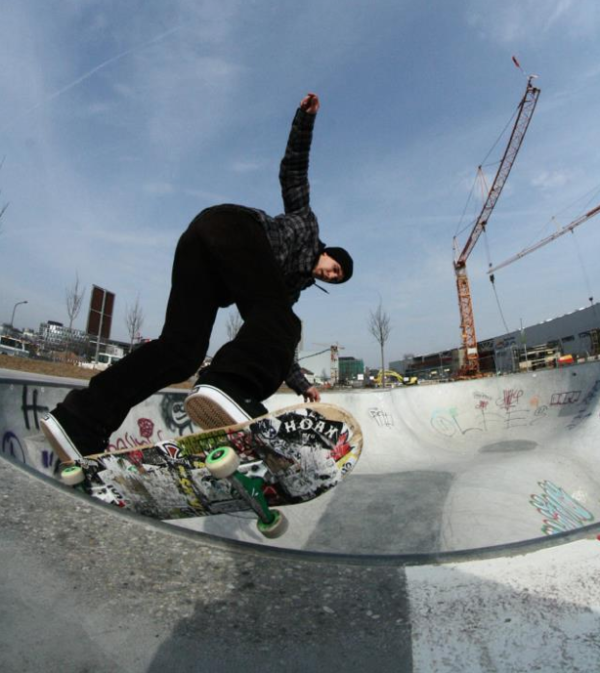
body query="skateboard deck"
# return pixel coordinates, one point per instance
(289, 456)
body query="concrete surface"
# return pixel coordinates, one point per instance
(466, 540)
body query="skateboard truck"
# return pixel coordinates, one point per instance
(223, 463)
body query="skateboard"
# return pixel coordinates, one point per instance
(286, 457)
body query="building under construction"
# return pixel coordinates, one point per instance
(564, 340)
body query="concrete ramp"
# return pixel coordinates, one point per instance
(450, 467)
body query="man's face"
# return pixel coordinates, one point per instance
(328, 270)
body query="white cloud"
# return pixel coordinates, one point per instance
(247, 166)
(159, 188)
(521, 22)
(548, 180)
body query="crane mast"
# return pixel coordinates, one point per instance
(465, 303)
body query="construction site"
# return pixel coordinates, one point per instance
(561, 341)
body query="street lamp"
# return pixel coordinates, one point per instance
(12, 320)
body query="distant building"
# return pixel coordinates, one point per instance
(434, 366)
(326, 367)
(54, 336)
(575, 334)
(351, 369)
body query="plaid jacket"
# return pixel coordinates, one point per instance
(296, 379)
(294, 235)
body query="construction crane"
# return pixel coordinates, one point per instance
(467, 322)
(334, 350)
(548, 239)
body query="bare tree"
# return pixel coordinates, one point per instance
(134, 318)
(74, 298)
(380, 327)
(234, 324)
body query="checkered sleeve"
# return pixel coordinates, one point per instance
(293, 171)
(296, 380)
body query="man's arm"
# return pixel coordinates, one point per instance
(301, 385)
(293, 171)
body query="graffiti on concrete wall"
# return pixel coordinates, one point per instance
(584, 410)
(145, 435)
(512, 409)
(383, 419)
(12, 447)
(24, 450)
(508, 410)
(172, 411)
(173, 416)
(23, 406)
(561, 511)
(31, 408)
(566, 398)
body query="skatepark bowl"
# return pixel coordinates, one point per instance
(483, 465)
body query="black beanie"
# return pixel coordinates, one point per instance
(343, 259)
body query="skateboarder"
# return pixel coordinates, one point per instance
(229, 254)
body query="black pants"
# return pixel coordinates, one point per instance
(224, 257)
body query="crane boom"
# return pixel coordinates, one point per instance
(548, 239)
(467, 322)
(525, 112)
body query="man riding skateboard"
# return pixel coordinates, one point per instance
(229, 254)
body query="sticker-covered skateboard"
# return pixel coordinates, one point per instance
(283, 458)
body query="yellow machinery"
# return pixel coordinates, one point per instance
(391, 375)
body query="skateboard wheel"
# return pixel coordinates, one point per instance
(222, 462)
(72, 475)
(276, 528)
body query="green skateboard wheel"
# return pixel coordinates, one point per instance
(72, 475)
(276, 528)
(222, 462)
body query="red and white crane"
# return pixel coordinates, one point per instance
(467, 323)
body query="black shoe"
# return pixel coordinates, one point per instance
(215, 403)
(69, 438)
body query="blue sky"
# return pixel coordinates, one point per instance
(121, 121)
